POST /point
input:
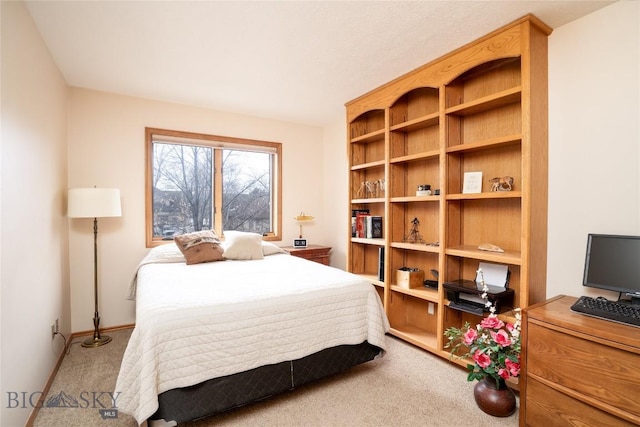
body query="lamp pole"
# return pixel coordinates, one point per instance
(94, 203)
(97, 340)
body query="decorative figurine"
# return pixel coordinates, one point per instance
(414, 234)
(490, 247)
(380, 187)
(424, 190)
(504, 183)
(370, 189)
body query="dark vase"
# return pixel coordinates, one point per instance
(494, 399)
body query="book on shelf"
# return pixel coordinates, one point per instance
(361, 225)
(365, 225)
(381, 263)
(354, 216)
(368, 228)
(376, 227)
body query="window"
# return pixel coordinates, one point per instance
(198, 182)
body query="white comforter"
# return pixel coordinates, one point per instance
(208, 320)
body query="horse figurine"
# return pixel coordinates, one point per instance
(504, 183)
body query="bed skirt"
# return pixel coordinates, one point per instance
(221, 394)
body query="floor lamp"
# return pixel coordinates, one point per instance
(94, 203)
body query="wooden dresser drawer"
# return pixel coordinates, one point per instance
(577, 370)
(316, 253)
(549, 408)
(578, 365)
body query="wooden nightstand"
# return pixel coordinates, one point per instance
(317, 253)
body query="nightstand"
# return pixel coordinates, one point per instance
(317, 253)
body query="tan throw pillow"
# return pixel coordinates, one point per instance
(200, 246)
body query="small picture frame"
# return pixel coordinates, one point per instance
(299, 243)
(472, 183)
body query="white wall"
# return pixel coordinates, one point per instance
(594, 138)
(107, 148)
(336, 194)
(34, 276)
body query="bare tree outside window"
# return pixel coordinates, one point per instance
(246, 191)
(182, 190)
(210, 185)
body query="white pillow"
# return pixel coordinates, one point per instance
(269, 248)
(167, 251)
(242, 245)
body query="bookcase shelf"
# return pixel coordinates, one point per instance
(481, 108)
(418, 123)
(415, 247)
(486, 196)
(376, 135)
(407, 199)
(433, 154)
(486, 144)
(367, 201)
(369, 165)
(468, 251)
(367, 241)
(373, 279)
(425, 294)
(487, 103)
(416, 336)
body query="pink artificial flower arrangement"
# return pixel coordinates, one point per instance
(493, 345)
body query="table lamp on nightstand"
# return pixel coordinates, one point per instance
(94, 203)
(301, 219)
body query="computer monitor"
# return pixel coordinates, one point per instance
(613, 263)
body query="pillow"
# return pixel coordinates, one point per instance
(269, 248)
(167, 253)
(242, 245)
(200, 246)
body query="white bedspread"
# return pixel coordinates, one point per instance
(208, 320)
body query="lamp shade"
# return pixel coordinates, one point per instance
(303, 218)
(93, 202)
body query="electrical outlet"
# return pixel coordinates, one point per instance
(431, 308)
(55, 328)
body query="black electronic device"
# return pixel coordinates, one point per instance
(612, 263)
(602, 308)
(469, 307)
(433, 284)
(465, 295)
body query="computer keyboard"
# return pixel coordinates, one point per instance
(608, 310)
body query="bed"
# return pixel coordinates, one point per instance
(218, 335)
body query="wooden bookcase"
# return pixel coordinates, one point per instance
(481, 108)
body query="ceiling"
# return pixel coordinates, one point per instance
(297, 61)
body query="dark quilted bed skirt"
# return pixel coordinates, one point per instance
(221, 394)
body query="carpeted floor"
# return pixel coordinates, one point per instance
(407, 387)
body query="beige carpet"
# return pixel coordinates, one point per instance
(407, 387)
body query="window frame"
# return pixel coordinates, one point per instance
(216, 142)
